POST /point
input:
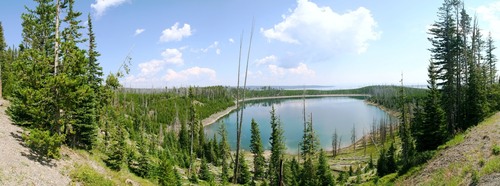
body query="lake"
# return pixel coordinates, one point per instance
(329, 113)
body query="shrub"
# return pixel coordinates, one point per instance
(43, 143)
(88, 176)
(496, 150)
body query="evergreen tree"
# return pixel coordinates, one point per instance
(353, 137)
(292, 172)
(308, 174)
(33, 103)
(257, 150)
(277, 148)
(490, 60)
(407, 144)
(324, 174)
(168, 174)
(309, 143)
(2, 58)
(244, 176)
(429, 131)
(204, 171)
(444, 51)
(184, 137)
(224, 153)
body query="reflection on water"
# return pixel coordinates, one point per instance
(329, 113)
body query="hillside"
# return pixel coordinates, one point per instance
(468, 159)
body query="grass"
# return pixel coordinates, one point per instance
(492, 166)
(86, 175)
(496, 150)
(459, 138)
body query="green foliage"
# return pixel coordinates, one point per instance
(117, 149)
(324, 175)
(277, 148)
(429, 125)
(204, 171)
(496, 150)
(386, 162)
(86, 175)
(292, 172)
(491, 166)
(245, 176)
(43, 143)
(168, 175)
(310, 143)
(257, 150)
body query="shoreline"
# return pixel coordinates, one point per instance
(216, 116)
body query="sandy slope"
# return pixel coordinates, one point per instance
(460, 160)
(18, 166)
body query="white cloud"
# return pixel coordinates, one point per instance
(231, 40)
(172, 56)
(190, 74)
(491, 14)
(320, 28)
(265, 60)
(139, 31)
(301, 69)
(152, 67)
(215, 46)
(100, 6)
(175, 33)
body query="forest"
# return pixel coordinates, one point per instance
(59, 95)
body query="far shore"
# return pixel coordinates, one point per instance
(214, 117)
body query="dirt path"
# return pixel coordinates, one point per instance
(463, 159)
(18, 166)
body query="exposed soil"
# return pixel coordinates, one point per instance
(20, 166)
(465, 157)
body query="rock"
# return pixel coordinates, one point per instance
(131, 182)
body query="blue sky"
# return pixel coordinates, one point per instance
(304, 42)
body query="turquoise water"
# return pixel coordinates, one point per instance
(329, 113)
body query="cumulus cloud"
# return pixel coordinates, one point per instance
(491, 14)
(139, 31)
(172, 56)
(175, 33)
(100, 6)
(152, 67)
(190, 74)
(266, 60)
(231, 40)
(320, 28)
(301, 69)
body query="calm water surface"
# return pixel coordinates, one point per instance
(329, 113)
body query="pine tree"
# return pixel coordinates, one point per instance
(277, 148)
(407, 145)
(204, 171)
(444, 53)
(353, 137)
(429, 131)
(324, 174)
(2, 58)
(33, 103)
(257, 150)
(167, 173)
(224, 153)
(309, 144)
(244, 176)
(491, 60)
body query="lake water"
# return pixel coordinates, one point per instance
(329, 113)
